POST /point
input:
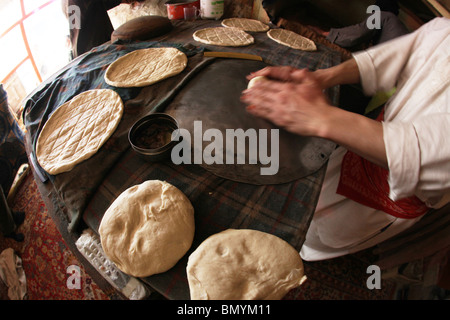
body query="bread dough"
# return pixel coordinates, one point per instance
(249, 25)
(221, 36)
(145, 66)
(243, 265)
(77, 129)
(254, 80)
(148, 228)
(291, 39)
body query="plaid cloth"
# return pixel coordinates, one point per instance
(284, 210)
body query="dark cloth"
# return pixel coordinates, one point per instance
(7, 225)
(12, 156)
(359, 35)
(95, 25)
(388, 6)
(12, 148)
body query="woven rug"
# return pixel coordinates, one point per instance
(46, 257)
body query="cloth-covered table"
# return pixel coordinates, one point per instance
(83, 194)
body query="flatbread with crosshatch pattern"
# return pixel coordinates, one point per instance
(224, 36)
(77, 129)
(250, 25)
(145, 67)
(291, 39)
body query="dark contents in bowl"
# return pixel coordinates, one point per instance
(153, 137)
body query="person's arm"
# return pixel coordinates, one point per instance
(301, 107)
(344, 73)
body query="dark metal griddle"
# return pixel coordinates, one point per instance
(213, 97)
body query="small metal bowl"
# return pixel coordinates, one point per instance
(151, 136)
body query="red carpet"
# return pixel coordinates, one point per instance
(45, 256)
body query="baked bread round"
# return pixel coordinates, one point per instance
(77, 129)
(243, 265)
(148, 228)
(144, 67)
(291, 39)
(222, 36)
(250, 25)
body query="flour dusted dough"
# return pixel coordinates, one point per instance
(291, 39)
(249, 25)
(148, 228)
(77, 129)
(221, 36)
(243, 265)
(254, 80)
(145, 66)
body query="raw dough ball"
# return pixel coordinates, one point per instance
(243, 264)
(148, 228)
(252, 81)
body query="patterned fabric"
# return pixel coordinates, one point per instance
(12, 149)
(366, 183)
(45, 255)
(284, 210)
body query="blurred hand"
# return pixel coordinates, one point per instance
(291, 98)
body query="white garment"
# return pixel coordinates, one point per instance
(13, 275)
(416, 125)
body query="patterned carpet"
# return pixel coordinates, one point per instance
(46, 257)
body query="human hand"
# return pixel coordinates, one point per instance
(291, 98)
(288, 74)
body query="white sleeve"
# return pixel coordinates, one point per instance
(380, 66)
(425, 167)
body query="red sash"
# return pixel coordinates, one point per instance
(366, 183)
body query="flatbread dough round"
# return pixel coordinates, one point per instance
(250, 25)
(77, 129)
(145, 66)
(148, 228)
(243, 265)
(291, 39)
(221, 36)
